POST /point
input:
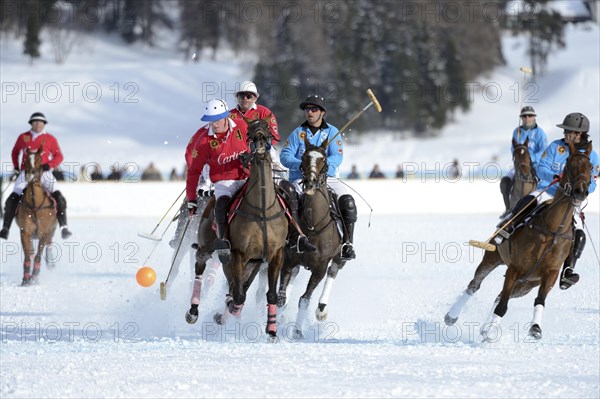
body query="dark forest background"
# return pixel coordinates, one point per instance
(420, 57)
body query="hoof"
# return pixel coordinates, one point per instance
(26, 282)
(281, 301)
(450, 321)
(321, 313)
(535, 332)
(191, 316)
(298, 334)
(218, 318)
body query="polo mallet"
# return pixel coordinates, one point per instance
(373, 101)
(157, 241)
(163, 284)
(492, 247)
(151, 236)
(12, 179)
(525, 71)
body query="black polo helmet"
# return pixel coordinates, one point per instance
(313, 99)
(576, 122)
(37, 116)
(528, 110)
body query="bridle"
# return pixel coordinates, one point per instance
(531, 178)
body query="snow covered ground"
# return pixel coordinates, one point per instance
(88, 329)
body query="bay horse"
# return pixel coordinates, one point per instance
(36, 217)
(525, 180)
(318, 223)
(258, 231)
(535, 253)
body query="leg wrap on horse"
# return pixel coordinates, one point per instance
(505, 187)
(349, 217)
(568, 276)
(10, 208)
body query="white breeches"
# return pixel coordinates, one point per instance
(228, 187)
(48, 182)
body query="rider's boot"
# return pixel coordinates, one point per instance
(61, 214)
(296, 241)
(509, 225)
(505, 187)
(181, 218)
(349, 217)
(10, 208)
(568, 276)
(222, 246)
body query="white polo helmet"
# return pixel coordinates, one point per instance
(215, 110)
(248, 86)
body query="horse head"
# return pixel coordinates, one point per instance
(314, 166)
(576, 176)
(522, 160)
(259, 137)
(33, 164)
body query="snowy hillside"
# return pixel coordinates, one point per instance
(113, 104)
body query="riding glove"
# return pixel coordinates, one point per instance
(192, 207)
(45, 167)
(245, 158)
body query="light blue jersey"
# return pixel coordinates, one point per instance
(291, 154)
(553, 162)
(538, 141)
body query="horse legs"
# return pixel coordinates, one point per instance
(37, 260)
(321, 312)
(262, 284)
(273, 272)
(548, 280)
(288, 274)
(510, 279)
(316, 276)
(191, 316)
(29, 253)
(490, 261)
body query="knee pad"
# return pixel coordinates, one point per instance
(579, 243)
(348, 208)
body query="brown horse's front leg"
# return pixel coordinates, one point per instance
(274, 271)
(27, 243)
(548, 280)
(237, 284)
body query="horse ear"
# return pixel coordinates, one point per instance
(526, 143)
(588, 149)
(572, 149)
(324, 144)
(514, 142)
(306, 142)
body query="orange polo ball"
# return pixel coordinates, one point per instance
(146, 276)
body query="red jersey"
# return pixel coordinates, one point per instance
(51, 154)
(221, 152)
(260, 112)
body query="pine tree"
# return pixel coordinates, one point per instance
(34, 25)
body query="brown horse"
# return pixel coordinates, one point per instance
(36, 217)
(319, 225)
(534, 254)
(258, 231)
(525, 180)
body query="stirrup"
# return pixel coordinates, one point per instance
(567, 281)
